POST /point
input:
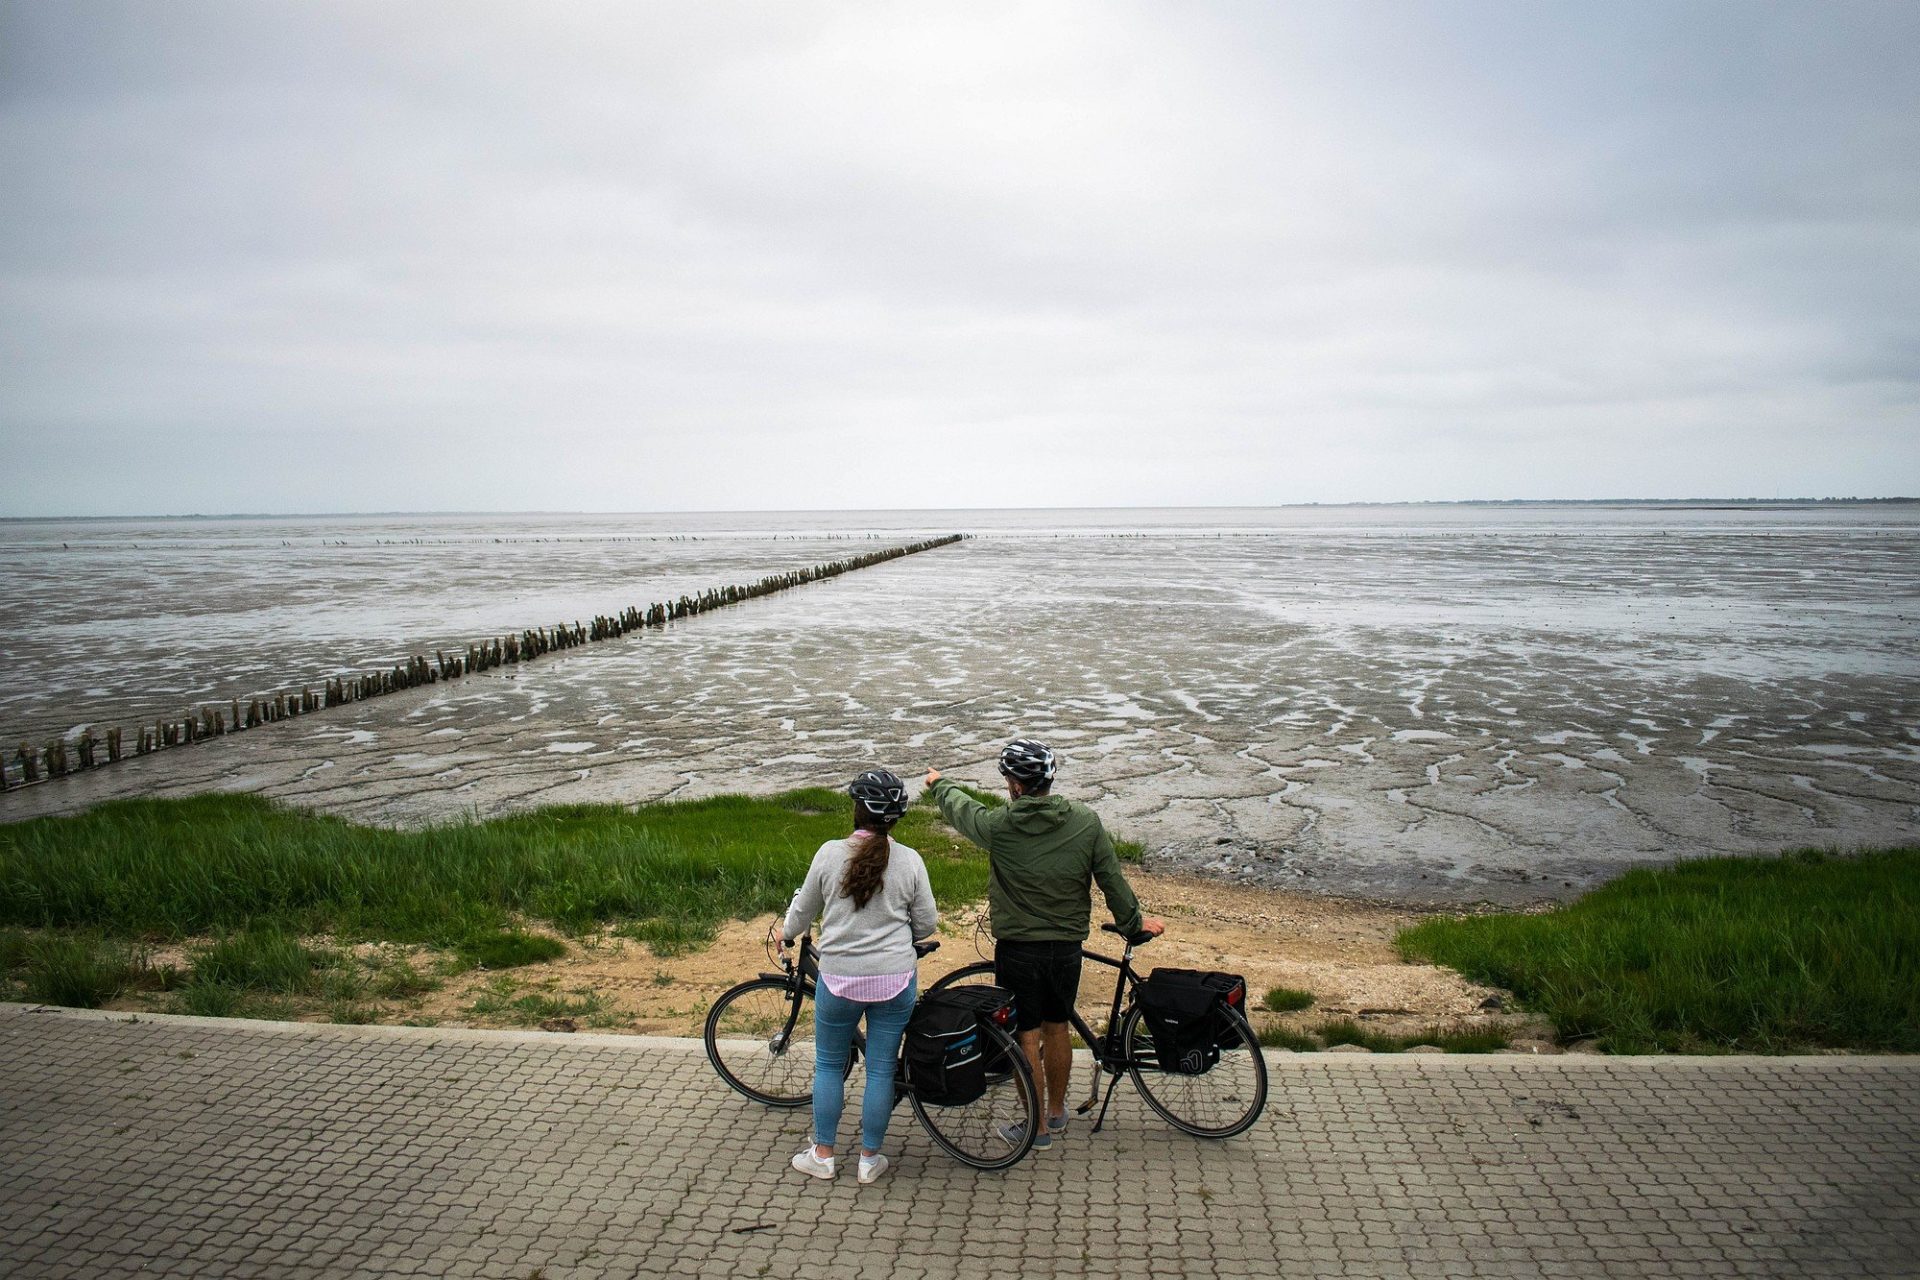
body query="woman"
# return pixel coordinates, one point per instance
(873, 900)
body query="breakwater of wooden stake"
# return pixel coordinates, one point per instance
(215, 720)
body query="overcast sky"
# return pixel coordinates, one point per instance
(352, 257)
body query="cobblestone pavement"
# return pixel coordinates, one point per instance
(190, 1147)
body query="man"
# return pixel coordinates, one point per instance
(1044, 852)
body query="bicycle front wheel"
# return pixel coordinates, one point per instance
(995, 1130)
(759, 1037)
(1223, 1100)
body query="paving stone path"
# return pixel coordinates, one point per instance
(178, 1146)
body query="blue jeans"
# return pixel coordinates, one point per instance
(833, 1022)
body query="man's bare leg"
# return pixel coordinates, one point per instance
(1049, 1050)
(1034, 1042)
(1059, 1053)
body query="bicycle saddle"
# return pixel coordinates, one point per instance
(926, 948)
(1133, 939)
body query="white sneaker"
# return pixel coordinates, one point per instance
(812, 1165)
(871, 1167)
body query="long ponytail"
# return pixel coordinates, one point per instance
(867, 867)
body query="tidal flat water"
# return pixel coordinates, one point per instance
(1443, 704)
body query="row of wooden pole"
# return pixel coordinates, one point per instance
(56, 759)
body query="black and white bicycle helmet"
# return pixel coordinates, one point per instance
(1027, 762)
(880, 794)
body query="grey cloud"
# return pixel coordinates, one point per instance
(715, 256)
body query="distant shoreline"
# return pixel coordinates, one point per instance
(1670, 504)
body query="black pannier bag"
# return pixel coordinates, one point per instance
(989, 1004)
(945, 1064)
(1185, 1012)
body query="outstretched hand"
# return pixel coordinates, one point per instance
(933, 775)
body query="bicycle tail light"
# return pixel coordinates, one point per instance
(1002, 1016)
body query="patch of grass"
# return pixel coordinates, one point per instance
(1461, 1039)
(1452, 1039)
(1347, 1031)
(669, 936)
(398, 980)
(511, 949)
(14, 945)
(501, 1001)
(208, 864)
(261, 959)
(1286, 999)
(1281, 1038)
(161, 977)
(209, 1000)
(1755, 955)
(352, 1014)
(78, 971)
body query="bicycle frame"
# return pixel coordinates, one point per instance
(801, 976)
(1108, 1050)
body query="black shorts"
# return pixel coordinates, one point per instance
(1043, 976)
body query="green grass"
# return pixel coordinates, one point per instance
(78, 970)
(1286, 999)
(1281, 1038)
(398, 980)
(668, 935)
(1452, 1039)
(260, 959)
(231, 864)
(1463, 1039)
(1759, 955)
(1347, 1031)
(511, 949)
(502, 1000)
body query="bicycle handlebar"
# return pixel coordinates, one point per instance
(1139, 939)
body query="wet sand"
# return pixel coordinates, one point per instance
(1508, 710)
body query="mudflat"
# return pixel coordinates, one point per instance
(1435, 707)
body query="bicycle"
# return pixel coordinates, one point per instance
(1218, 1103)
(759, 1037)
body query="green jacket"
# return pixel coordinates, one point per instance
(1045, 853)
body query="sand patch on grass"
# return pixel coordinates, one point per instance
(1341, 950)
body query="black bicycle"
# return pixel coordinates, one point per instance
(1225, 1099)
(759, 1037)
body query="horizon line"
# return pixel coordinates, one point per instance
(739, 511)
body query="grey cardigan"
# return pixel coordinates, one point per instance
(874, 939)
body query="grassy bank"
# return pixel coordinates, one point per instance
(256, 877)
(1757, 955)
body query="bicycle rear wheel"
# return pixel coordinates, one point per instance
(1219, 1102)
(995, 1130)
(977, 974)
(759, 1037)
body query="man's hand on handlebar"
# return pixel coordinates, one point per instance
(1153, 925)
